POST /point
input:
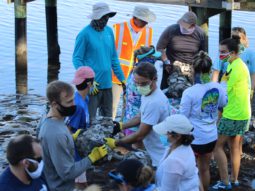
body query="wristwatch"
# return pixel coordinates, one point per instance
(166, 62)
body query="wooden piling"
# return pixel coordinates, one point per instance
(202, 21)
(20, 9)
(52, 30)
(225, 25)
(52, 40)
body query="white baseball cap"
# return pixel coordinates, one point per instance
(99, 10)
(175, 123)
(143, 13)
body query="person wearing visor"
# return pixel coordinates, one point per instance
(130, 36)
(154, 109)
(61, 169)
(133, 98)
(132, 175)
(95, 47)
(83, 81)
(179, 43)
(177, 169)
(24, 173)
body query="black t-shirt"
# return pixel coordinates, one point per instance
(181, 47)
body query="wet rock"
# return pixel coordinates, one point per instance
(94, 136)
(8, 117)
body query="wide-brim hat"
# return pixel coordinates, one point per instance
(175, 123)
(99, 10)
(143, 13)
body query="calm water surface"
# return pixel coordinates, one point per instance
(72, 17)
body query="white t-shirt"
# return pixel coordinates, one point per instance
(154, 109)
(177, 171)
(200, 104)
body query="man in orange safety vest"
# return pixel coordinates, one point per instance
(130, 36)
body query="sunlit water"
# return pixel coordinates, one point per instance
(72, 17)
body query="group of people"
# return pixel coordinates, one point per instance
(214, 110)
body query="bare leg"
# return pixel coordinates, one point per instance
(221, 158)
(235, 156)
(203, 162)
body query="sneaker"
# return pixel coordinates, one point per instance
(222, 186)
(235, 184)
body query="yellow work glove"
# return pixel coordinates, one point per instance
(94, 89)
(98, 153)
(110, 142)
(76, 134)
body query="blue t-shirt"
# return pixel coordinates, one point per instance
(248, 57)
(9, 182)
(80, 119)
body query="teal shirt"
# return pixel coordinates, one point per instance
(97, 50)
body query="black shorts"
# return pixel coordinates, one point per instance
(203, 149)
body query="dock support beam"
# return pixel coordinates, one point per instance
(225, 25)
(202, 21)
(52, 39)
(20, 9)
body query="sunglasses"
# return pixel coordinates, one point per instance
(117, 177)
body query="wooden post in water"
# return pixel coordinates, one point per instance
(21, 46)
(52, 39)
(225, 25)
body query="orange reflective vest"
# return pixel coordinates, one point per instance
(126, 47)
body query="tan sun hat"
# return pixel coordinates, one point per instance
(143, 13)
(99, 10)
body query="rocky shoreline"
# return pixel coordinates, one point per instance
(20, 114)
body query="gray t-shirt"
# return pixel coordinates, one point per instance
(154, 109)
(60, 169)
(181, 47)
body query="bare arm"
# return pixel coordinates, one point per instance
(215, 75)
(135, 121)
(144, 129)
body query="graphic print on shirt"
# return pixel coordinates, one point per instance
(209, 106)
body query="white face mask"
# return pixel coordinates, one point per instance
(187, 31)
(38, 172)
(144, 90)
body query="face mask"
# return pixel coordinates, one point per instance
(84, 84)
(144, 90)
(38, 172)
(187, 31)
(224, 57)
(66, 111)
(99, 25)
(241, 48)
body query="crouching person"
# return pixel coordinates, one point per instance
(24, 154)
(57, 142)
(154, 109)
